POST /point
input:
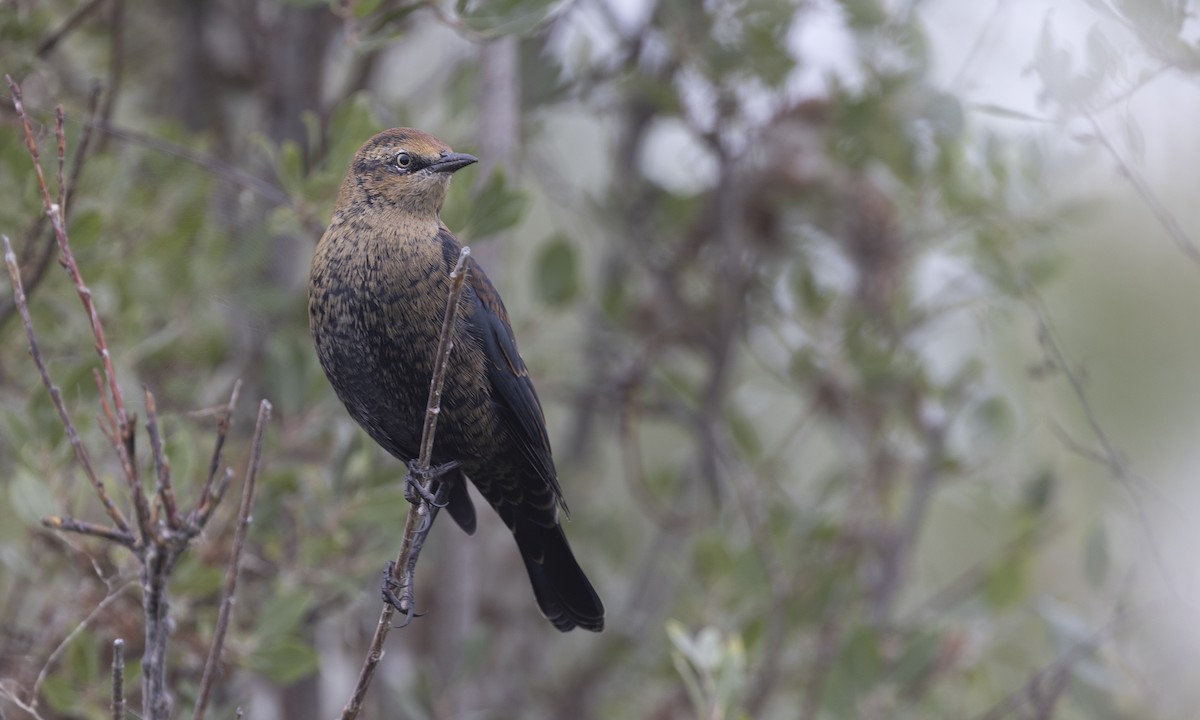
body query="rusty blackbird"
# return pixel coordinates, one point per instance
(377, 293)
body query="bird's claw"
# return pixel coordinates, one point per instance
(416, 486)
(403, 604)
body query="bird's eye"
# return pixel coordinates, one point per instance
(403, 160)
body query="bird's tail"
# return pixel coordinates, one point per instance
(563, 592)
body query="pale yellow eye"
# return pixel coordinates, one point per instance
(403, 160)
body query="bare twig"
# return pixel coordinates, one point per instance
(60, 134)
(223, 170)
(9, 694)
(54, 212)
(416, 523)
(66, 642)
(1164, 216)
(81, 453)
(118, 680)
(81, 13)
(160, 541)
(231, 573)
(1045, 686)
(1109, 456)
(116, 62)
(207, 501)
(82, 527)
(36, 267)
(898, 548)
(162, 467)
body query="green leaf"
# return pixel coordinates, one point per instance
(284, 660)
(855, 673)
(495, 18)
(281, 614)
(193, 578)
(920, 656)
(290, 167)
(745, 433)
(1008, 583)
(496, 207)
(556, 271)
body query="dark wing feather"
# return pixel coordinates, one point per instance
(510, 379)
(512, 389)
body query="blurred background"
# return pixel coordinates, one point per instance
(866, 333)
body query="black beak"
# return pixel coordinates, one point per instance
(449, 162)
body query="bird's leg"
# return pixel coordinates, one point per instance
(417, 484)
(403, 604)
(398, 592)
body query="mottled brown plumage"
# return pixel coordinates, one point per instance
(377, 293)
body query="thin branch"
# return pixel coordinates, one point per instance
(1109, 456)
(82, 527)
(12, 697)
(162, 466)
(207, 500)
(900, 543)
(54, 211)
(47, 45)
(1164, 216)
(81, 453)
(235, 562)
(83, 625)
(60, 134)
(116, 61)
(229, 173)
(1046, 685)
(42, 262)
(118, 680)
(415, 523)
(433, 409)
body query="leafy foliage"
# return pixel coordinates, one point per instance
(779, 371)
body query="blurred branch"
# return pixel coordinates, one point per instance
(116, 63)
(1045, 687)
(960, 76)
(899, 544)
(1109, 456)
(47, 45)
(429, 495)
(229, 173)
(84, 624)
(231, 574)
(1164, 216)
(750, 499)
(209, 499)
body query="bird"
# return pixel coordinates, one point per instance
(377, 295)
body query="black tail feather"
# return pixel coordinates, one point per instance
(563, 592)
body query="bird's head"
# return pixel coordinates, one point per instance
(405, 168)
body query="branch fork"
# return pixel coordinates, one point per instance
(160, 533)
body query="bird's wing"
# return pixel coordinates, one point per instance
(513, 390)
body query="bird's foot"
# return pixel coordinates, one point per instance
(417, 484)
(402, 602)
